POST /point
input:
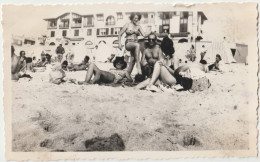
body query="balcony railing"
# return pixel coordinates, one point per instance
(76, 25)
(52, 27)
(88, 25)
(63, 26)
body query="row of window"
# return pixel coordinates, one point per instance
(100, 32)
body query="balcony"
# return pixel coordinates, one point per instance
(181, 34)
(76, 25)
(88, 25)
(64, 26)
(52, 27)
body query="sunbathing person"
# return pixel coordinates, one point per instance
(81, 66)
(168, 72)
(111, 76)
(163, 68)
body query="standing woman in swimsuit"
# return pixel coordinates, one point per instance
(132, 30)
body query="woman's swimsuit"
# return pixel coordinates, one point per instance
(119, 74)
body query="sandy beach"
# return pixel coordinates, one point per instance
(48, 117)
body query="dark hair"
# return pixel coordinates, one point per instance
(86, 58)
(28, 59)
(21, 52)
(34, 58)
(121, 60)
(131, 17)
(65, 63)
(139, 78)
(204, 62)
(218, 56)
(167, 47)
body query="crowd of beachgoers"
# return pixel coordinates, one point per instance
(158, 68)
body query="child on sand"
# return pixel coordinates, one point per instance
(58, 76)
(111, 76)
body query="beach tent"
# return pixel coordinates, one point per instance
(240, 52)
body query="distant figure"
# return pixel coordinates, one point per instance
(192, 54)
(70, 57)
(81, 66)
(203, 53)
(18, 65)
(43, 56)
(111, 76)
(60, 51)
(217, 65)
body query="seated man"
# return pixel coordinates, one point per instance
(216, 66)
(18, 65)
(151, 55)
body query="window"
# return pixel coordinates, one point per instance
(52, 33)
(102, 31)
(112, 31)
(52, 24)
(145, 18)
(119, 15)
(117, 30)
(89, 32)
(110, 20)
(184, 22)
(64, 33)
(76, 32)
(100, 17)
(151, 16)
(89, 21)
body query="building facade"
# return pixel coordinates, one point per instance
(92, 29)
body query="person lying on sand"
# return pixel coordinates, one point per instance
(81, 66)
(168, 72)
(111, 76)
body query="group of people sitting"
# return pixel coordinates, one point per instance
(159, 66)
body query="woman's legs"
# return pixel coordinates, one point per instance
(156, 73)
(99, 75)
(93, 69)
(134, 47)
(167, 77)
(163, 73)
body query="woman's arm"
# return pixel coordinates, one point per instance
(120, 35)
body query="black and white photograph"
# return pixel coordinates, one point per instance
(130, 78)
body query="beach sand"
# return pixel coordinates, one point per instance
(48, 117)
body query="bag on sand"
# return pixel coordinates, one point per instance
(195, 80)
(195, 84)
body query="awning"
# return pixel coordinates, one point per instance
(74, 39)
